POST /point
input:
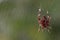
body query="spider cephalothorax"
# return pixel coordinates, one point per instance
(44, 21)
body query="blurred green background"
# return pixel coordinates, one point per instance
(18, 19)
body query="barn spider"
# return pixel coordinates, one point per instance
(44, 21)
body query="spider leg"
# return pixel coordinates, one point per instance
(48, 17)
(43, 29)
(39, 9)
(39, 28)
(47, 12)
(39, 12)
(49, 28)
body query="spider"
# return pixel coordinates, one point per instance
(43, 22)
